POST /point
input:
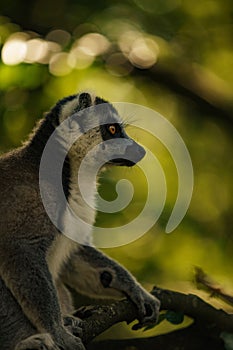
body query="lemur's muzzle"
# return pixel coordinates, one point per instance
(133, 154)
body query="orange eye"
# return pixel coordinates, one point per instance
(112, 129)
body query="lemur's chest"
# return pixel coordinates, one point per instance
(77, 221)
(80, 212)
(59, 252)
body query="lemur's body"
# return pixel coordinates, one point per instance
(36, 259)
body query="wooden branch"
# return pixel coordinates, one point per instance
(191, 84)
(184, 339)
(97, 319)
(215, 289)
(193, 306)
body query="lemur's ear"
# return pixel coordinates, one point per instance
(84, 101)
(70, 105)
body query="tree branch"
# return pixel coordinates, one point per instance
(96, 319)
(201, 278)
(193, 306)
(184, 339)
(194, 83)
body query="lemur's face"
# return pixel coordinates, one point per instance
(102, 132)
(126, 151)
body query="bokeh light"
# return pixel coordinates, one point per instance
(15, 49)
(59, 64)
(59, 36)
(144, 53)
(94, 44)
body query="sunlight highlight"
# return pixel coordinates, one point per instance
(40, 51)
(59, 64)
(94, 44)
(144, 53)
(15, 49)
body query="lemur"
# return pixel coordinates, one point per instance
(38, 261)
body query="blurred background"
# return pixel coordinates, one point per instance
(174, 56)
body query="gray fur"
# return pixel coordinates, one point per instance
(36, 260)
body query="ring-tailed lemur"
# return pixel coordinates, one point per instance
(36, 259)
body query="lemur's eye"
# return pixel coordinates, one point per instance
(112, 129)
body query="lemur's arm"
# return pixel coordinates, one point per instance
(91, 272)
(24, 270)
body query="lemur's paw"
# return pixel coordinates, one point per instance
(44, 341)
(37, 342)
(85, 311)
(148, 309)
(73, 325)
(69, 341)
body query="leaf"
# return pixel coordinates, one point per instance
(228, 340)
(161, 318)
(174, 317)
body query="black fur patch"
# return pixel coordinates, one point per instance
(39, 139)
(99, 100)
(106, 279)
(46, 128)
(55, 112)
(66, 177)
(84, 101)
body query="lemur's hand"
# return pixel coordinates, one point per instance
(148, 307)
(73, 324)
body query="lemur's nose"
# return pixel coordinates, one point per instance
(135, 152)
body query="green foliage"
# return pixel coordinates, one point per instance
(228, 340)
(175, 318)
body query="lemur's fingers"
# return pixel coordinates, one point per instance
(84, 312)
(73, 325)
(148, 309)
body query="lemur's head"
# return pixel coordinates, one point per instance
(98, 127)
